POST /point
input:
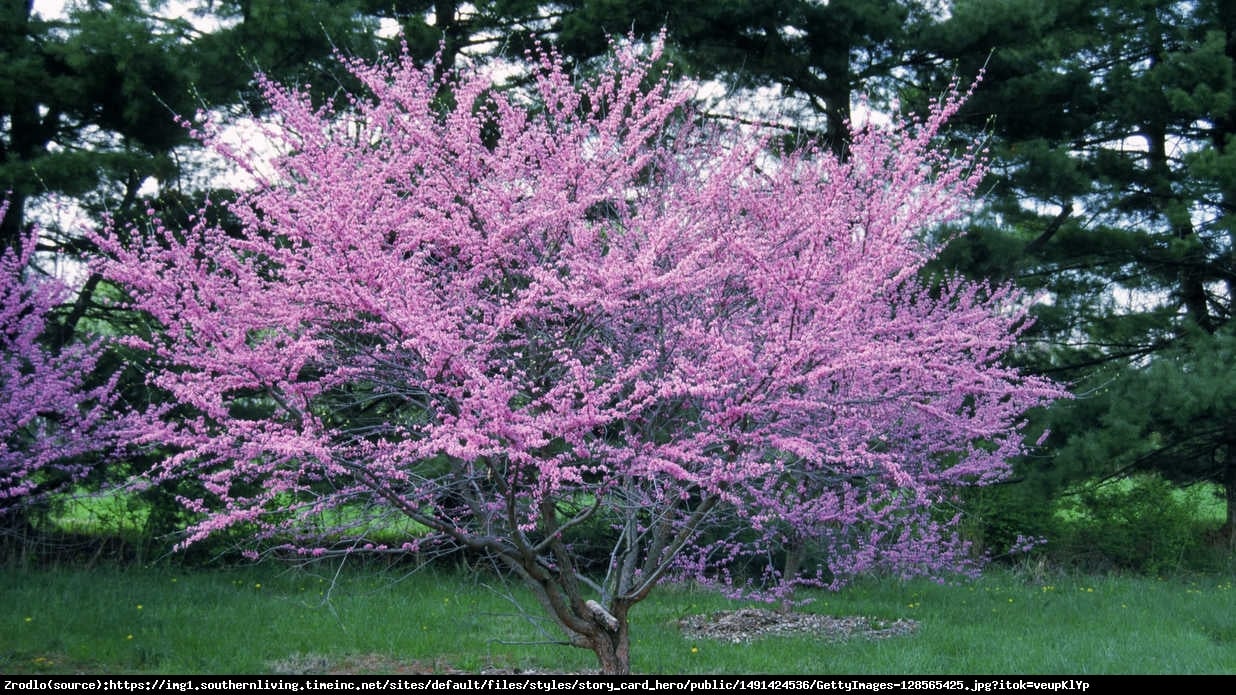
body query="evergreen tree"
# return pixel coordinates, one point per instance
(88, 107)
(88, 101)
(78, 104)
(821, 56)
(1112, 126)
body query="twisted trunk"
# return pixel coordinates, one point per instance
(610, 640)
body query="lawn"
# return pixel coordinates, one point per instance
(270, 618)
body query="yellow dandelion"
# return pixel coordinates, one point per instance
(257, 586)
(695, 650)
(128, 636)
(139, 606)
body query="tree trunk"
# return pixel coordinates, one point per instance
(589, 625)
(23, 135)
(613, 653)
(609, 638)
(795, 551)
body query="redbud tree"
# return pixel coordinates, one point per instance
(56, 416)
(533, 321)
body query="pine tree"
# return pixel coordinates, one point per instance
(1111, 125)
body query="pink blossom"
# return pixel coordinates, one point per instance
(57, 417)
(526, 315)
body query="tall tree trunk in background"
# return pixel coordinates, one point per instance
(23, 116)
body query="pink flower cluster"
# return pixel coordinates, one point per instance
(53, 420)
(504, 315)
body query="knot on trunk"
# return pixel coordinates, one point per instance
(601, 615)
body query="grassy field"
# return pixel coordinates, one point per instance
(272, 619)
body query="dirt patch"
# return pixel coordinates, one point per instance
(747, 624)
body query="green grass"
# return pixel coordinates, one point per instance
(267, 618)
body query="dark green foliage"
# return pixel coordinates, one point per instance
(79, 105)
(292, 41)
(1109, 125)
(1002, 520)
(821, 56)
(89, 101)
(1141, 526)
(1181, 431)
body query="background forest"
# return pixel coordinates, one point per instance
(1110, 195)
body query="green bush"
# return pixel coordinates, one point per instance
(1141, 524)
(997, 520)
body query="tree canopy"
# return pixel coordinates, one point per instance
(511, 316)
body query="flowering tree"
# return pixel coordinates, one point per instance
(528, 322)
(53, 419)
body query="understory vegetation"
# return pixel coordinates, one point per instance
(1138, 525)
